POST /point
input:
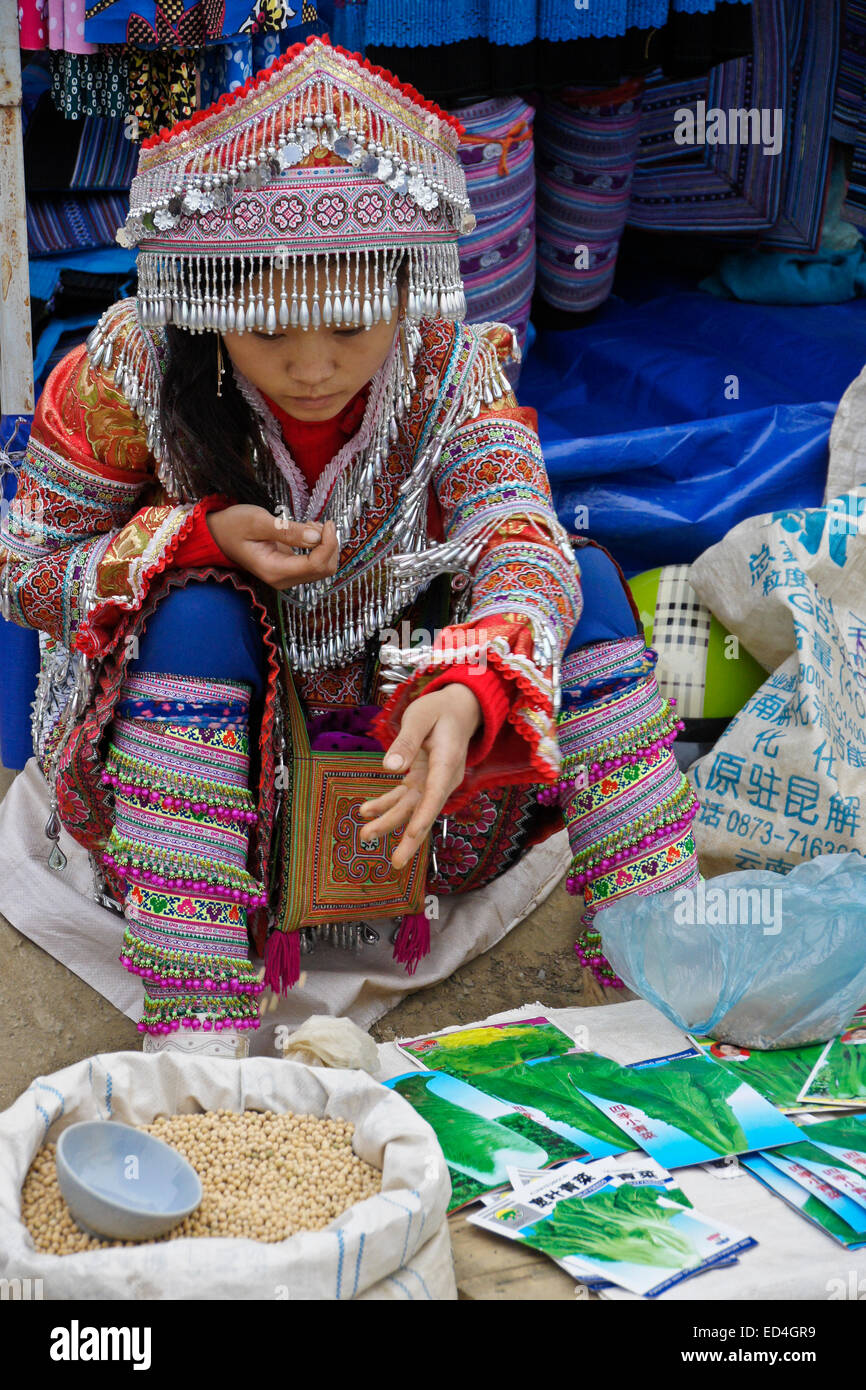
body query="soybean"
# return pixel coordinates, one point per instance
(265, 1177)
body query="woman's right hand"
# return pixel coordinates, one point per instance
(263, 545)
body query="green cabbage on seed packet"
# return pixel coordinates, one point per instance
(630, 1233)
(624, 1167)
(804, 1202)
(467, 1052)
(683, 1109)
(778, 1076)
(840, 1175)
(843, 1137)
(480, 1136)
(549, 1089)
(818, 1187)
(839, 1075)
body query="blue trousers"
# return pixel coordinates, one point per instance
(209, 629)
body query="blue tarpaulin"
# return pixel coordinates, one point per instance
(673, 415)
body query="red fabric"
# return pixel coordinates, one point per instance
(491, 691)
(198, 547)
(313, 443)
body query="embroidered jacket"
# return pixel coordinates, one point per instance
(92, 531)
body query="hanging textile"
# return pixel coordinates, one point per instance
(66, 26)
(469, 51)
(33, 24)
(162, 89)
(514, 22)
(735, 187)
(497, 259)
(848, 108)
(106, 158)
(225, 67)
(183, 23)
(813, 55)
(90, 84)
(587, 145)
(61, 224)
(88, 154)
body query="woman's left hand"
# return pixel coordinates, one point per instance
(431, 747)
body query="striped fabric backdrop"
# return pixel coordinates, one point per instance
(849, 114)
(497, 260)
(848, 108)
(70, 224)
(106, 158)
(731, 189)
(587, 146)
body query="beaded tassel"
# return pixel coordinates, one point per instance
(178, 762)
(627, 807)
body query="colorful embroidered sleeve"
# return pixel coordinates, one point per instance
(497, 508)
(77, 547)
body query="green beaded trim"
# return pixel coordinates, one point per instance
(215, 1006)
(661, 814)
(632, 740)
(184, 784)
(171, 962)
(173, 864)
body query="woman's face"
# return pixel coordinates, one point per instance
(311, 373)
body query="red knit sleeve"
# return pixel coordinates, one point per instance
(198, 548)
(491, 690)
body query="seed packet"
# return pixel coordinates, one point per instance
(480, 1136)
(629, 1232)
(818, 1187)
(627, 1167)
(684, 1109)
(839, 1174)
(548, 1090)
(821, 1213)
(530, 1064)
(778, 1076)
(842, 1138)
(467, 1052)
(839, 1075)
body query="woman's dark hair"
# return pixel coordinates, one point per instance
(210, 437)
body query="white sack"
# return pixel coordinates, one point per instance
(391, 1246)
(785, 782)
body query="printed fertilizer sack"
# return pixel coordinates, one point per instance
(786, 780)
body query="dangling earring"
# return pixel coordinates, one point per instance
(221, 366)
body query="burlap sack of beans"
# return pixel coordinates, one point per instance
(392, 1246)
(787, 779)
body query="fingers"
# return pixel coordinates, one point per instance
(287, 569)
(443, 775)
(393, 819)
(282, 530)
(377, 804)
(418, 719)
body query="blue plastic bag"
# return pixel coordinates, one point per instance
(754, 958)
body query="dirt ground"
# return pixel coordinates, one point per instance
(49, 1017)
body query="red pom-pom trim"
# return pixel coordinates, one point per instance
(260, 78)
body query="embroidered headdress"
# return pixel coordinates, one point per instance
(237, 211)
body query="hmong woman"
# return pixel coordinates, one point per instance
(288, 444)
